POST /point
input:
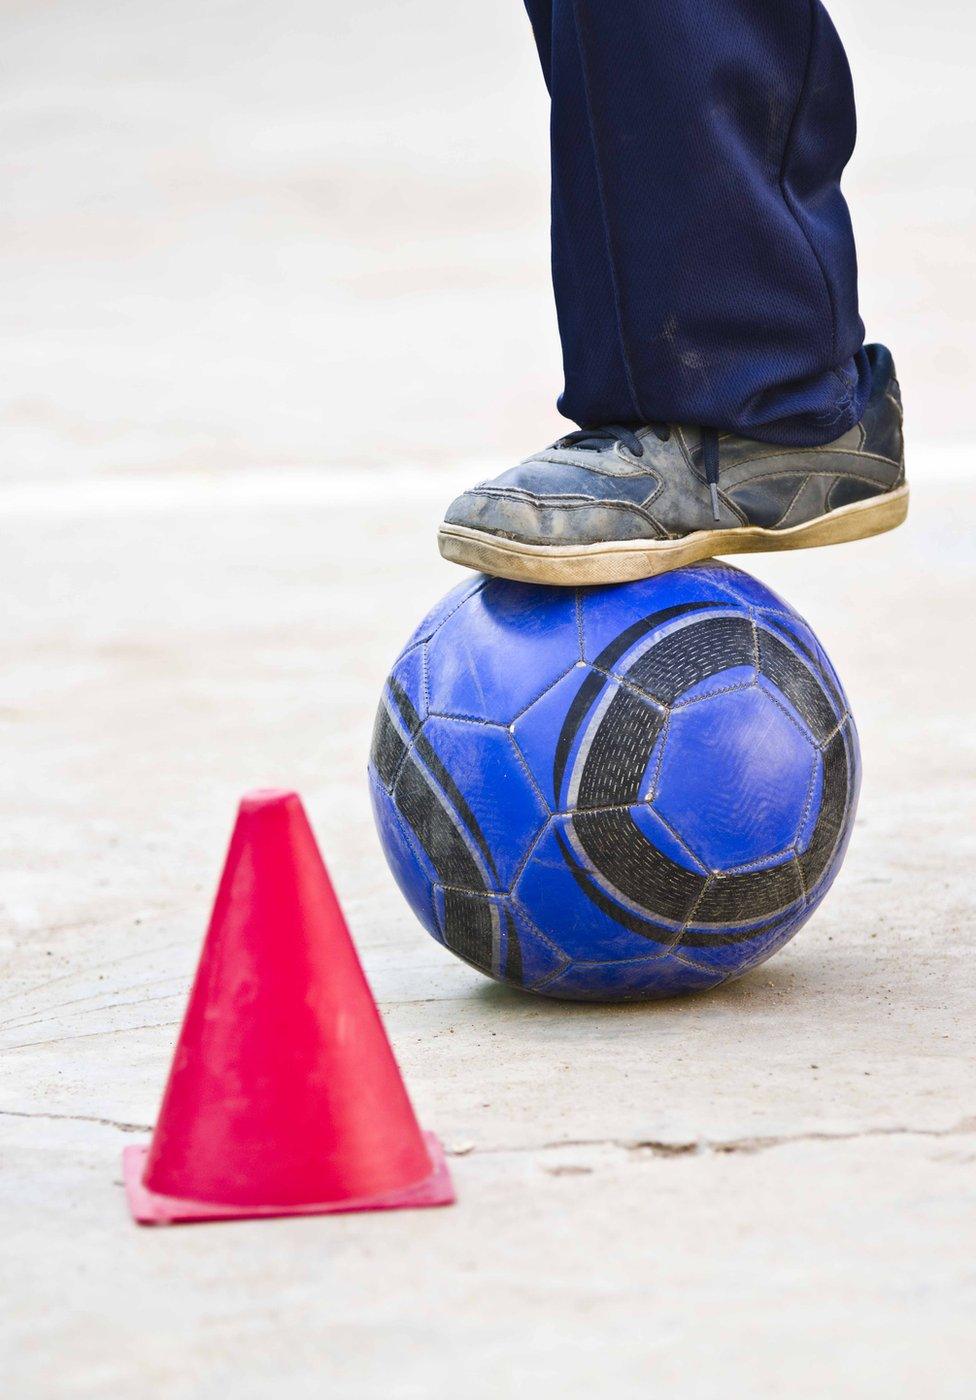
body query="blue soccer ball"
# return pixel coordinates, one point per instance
(614, 793)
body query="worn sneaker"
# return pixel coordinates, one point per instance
(616, 503)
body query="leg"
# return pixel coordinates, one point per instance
(706, 287)
(703, 258)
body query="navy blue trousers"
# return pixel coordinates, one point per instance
(702, 253)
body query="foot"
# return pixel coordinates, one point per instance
(616, 503)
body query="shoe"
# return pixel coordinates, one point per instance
(615, 503)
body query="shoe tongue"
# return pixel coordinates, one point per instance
(593, 439)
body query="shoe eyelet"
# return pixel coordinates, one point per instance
(623, 453)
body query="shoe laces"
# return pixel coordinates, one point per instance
(709, 442)
(592, 439)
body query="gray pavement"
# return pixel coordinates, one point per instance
(274, 288)
(769, 1189)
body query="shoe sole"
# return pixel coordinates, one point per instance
(619, 561)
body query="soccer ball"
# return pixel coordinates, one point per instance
(614, 793)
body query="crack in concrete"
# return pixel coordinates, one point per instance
(156, 1026)
(697, 1147)
(78, 1118)
(94, 970)
(47, 1014)
(654, 1147)
(87, 1035)
(89, 1011)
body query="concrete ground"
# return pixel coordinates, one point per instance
(769, 1189)
(275, 285)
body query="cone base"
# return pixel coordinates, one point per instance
(150, 1208)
